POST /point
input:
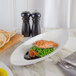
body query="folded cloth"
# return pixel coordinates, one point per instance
(68, 70)
(71, 59)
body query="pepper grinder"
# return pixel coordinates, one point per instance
(26, 25)
(36, 23)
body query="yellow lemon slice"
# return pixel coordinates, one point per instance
(3, 72)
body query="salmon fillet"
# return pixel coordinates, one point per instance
(45, 44)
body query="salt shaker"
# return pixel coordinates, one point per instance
(26, 25)
(36, 23)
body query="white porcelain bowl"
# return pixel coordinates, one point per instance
(3, 66)
(58, 36)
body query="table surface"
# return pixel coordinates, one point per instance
(43, 68)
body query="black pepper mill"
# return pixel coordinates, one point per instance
(26, 25)
(36, 23)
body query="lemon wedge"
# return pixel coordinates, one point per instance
(3, 72)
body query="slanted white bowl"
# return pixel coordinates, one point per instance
(58, 36)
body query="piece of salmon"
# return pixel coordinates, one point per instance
(32, 53)
(45, 44)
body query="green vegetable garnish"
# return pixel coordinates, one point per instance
(42, 52)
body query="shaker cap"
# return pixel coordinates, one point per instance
(35, 15)
(25, 14)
